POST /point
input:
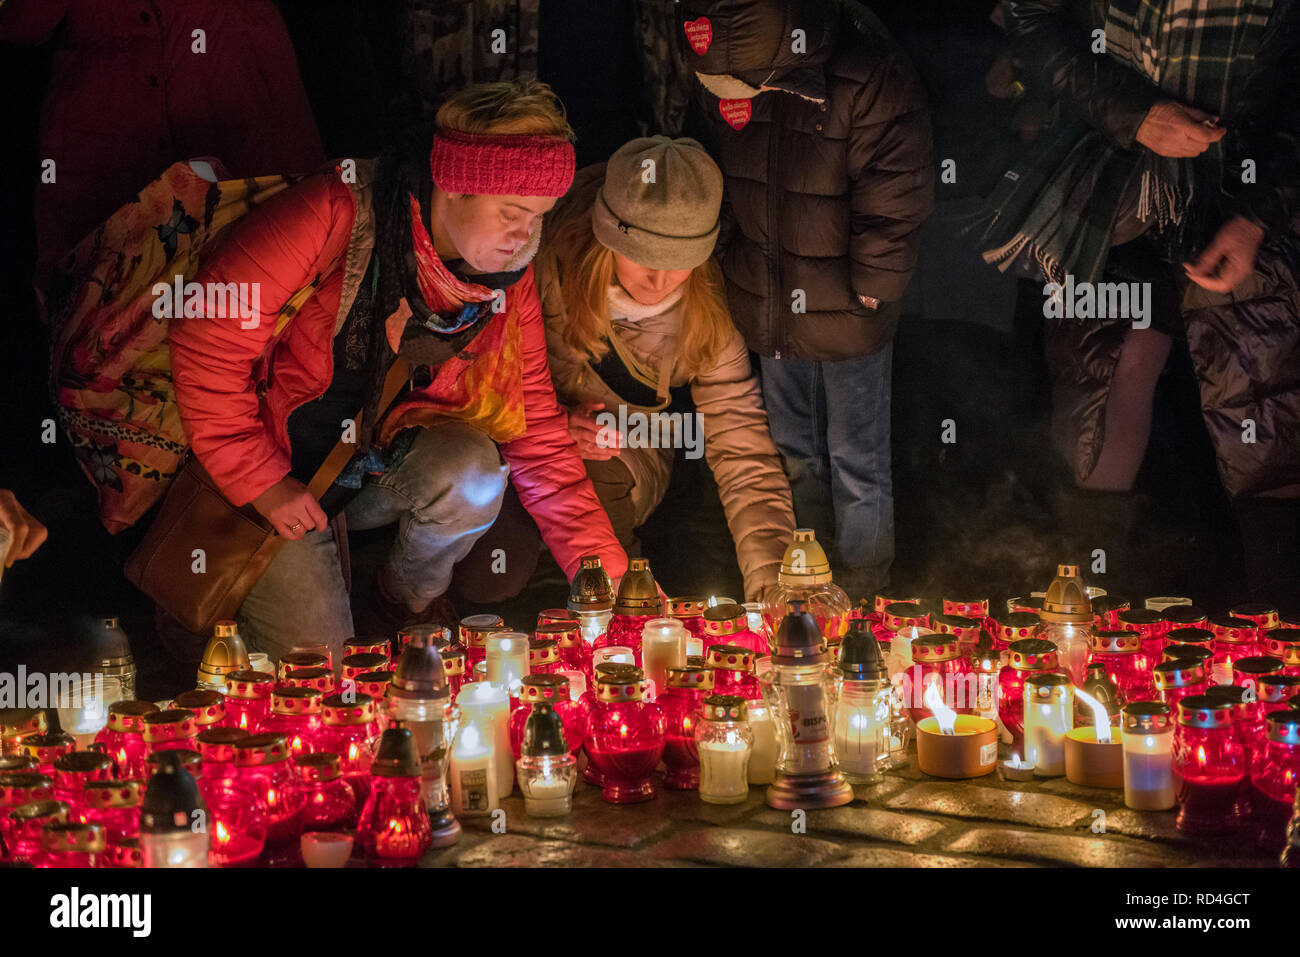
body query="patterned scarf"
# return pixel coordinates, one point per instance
(1057, 208)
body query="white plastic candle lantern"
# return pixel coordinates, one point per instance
(1148, 737)
(506, 654)
(488, 706)
(663, 646)
(1049, 715)
(473, 772)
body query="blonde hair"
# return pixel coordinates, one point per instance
(506, 107)
(586, 268)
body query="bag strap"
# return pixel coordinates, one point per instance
(341, 454)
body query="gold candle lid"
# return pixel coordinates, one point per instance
(966, 607)
(1066, 601)
(1275, 688)
(725, 620)
(373, 683)
(127, 717)
(691, 677)
(103, 795)
(691, 606)
(249, 685)
(1178, 673)
(1147, 717)
(319, 767)
(337, 711)
(904, 614)
(729, 658)
(224, 653)
(1017, 625)
(804, 562)
(966, 629)
(1201, 711)
(295, 660)
(637, 592)
(257, 750)
(474, 629)
(218, 744)
(209, 707)
(1115, 642)
(1233, 630)
(935, 648)
(169, 725)
(67, 837)
(621, 686)
(1046, 687)
(289, 699)
(883, 601)
(724, 707)
(566, 634)
(318, 679)
(550, 688)
(15, 721)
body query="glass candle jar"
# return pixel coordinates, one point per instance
(123, 737)
(115, 806)
(297, 661)
(1276, 690)
(24, 825)
(733, 671)
(248, 699)
(1274, 779)
(1248, 729)
(296, 714)
(169, 731)
(805, 576)
(1234, 638)
(729, 625)
(1014, 626)
(689, 610)
(209, 707)
(552, 616)
(939, 656)
(965, 629)
(216, 747)
(681, 702)
(1150, 626)
(506, 655)
(547, 768)
(863, 709)
(575, 654)
(73, 772)
(172, 819)
(237, 820)
(394, 826)
(552, 690)
(663, 646)
(1208, 766)
(1148, 738)
(1178, 679)
(351, 730)
(70, 844)
(724, 742)
(18, 788)
(591, 598)
(419, 696)
(48, 747)
(1284, 643)
(262, 766)
(488, 706)
(317, 679)
(1126, 664)
(473, 632)
(361, 662)
(330, 801)
(544, 656)
(625, 737)
(1049, 716)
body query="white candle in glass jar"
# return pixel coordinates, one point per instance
(762, 759)
(1148, 771)
(663, 646)
(1045, 728)
(506, 655)
(489, 706)
(724, 777)
(473, 773)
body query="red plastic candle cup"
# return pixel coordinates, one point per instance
(209, 707)
(682, 702)
(473, 633)
(1027, 656)
(965, 629)
(351, 730)
(1208, 766)
(1262, 614)
(1234, 638)
(115, 806)
(330, 800)
(625, 737)
(728, 625)
(262, 766)
(248, 699)
(1151, 626)
(552, 689)
(1274, 779)
(939, 656)
(296, 714)
(72, 772)
(1284, 643)
(123, 737)
(1178, 679)
(1126, 662)
(733, 671)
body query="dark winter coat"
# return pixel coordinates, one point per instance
(829, 181)
(1245, 346)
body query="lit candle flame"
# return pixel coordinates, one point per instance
(1100, 719)
(223, 836)
(944, 715)
(1200, 755)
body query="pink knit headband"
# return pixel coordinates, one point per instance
(514, 165)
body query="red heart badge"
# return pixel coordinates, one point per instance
(736, 112)
(699, 34)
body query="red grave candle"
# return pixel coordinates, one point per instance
(296, 714)
(1284, 643)
(729, 625)
(330, 802)
(262, 766)
(72, 773)
(574, 653)
(454, 658)
(394, 828)
(733, 671)
(25, 824)
(544, 656)
(1274, 780)
(351, 731)
(474, 631)
(965, 629)
(236, 818)
(1185, 616)
(209, 708)
(216, 748)
(1209, 766)
(939, 655)
(682, 702)
(1014, 626)
(48, 747)
(1178, 679)
(296, 660)
(169, 731)
(689, 610)
(625, 737)
(1126, 662)
(1234, 638)
(629, 672)
(1275, 692)
(71, 845)
(248, 699)
(1264, 615)
(1151, 626)
(552, 689)
(18, 788)
(123, 737)
(1028, 657)
(114, 806)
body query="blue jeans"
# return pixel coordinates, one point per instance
(442, 496)
(830, 422)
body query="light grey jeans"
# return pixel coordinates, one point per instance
(442, 496)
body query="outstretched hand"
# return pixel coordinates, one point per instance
(1229, 258)
(25, 532)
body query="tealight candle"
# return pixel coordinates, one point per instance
(326, 849)
(951, 745)
(1094, 755)
(1016, 768)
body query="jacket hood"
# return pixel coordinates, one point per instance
(754, 41)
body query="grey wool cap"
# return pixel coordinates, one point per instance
(661, 214)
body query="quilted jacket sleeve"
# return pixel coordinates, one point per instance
(279, 247)
(1058, 49)
(545, 466)
(890, 166)
(739, 449)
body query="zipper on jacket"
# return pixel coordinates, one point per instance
(775, 300)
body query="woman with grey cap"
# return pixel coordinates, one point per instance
(637, 324)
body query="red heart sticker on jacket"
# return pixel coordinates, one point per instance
(736, 112)
(699, 34)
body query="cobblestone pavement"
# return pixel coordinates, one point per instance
(908, 820)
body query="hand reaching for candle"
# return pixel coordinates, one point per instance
(26, 534)
(1229, 258)
(595, 442)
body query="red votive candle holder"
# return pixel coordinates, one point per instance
(454, 658)
(123, 737)
(209, 707)
(1276, 691)
(1178, 679)
(941, 656)
(473, 633)
(729, 625)
(733, 671)
(71, 844)
(394, 828)
(24, 825)
(1274, 780)
(72, 772)
(296, 714)
(248, 699)
(1179, 640)
(575, 654)
(1264, 615)
(682, 702)
(1247, 672)
(262, 766)
(1284, 643)
(625, 737)
(1014, 626)
(330, 800)
(689, 610)
(1125, 661)
(169, 731)
(965, 629)
(1209, 766)
(18, 788)
(544, 656)
(1151, 626)
(48, 747)
(1027, 657)
(115, 806)
(1234, 638)
(351, 730)
(216, 748)
(552, 689)
(297, 660)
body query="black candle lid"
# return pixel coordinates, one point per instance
(860, 656)
(544, 733)
(171, 799)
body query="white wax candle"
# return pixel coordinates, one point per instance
(724, 771)
(489, 706)
(1148, 771)
(855, 738)
(1045, 728)
(577, 684)
(694, 646)
(473, 773)
(506, 654)
(762, 759)
(663, 646)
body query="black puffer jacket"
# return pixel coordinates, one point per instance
(1245, 346)
(829, 181)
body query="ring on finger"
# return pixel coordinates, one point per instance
(295, 526)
